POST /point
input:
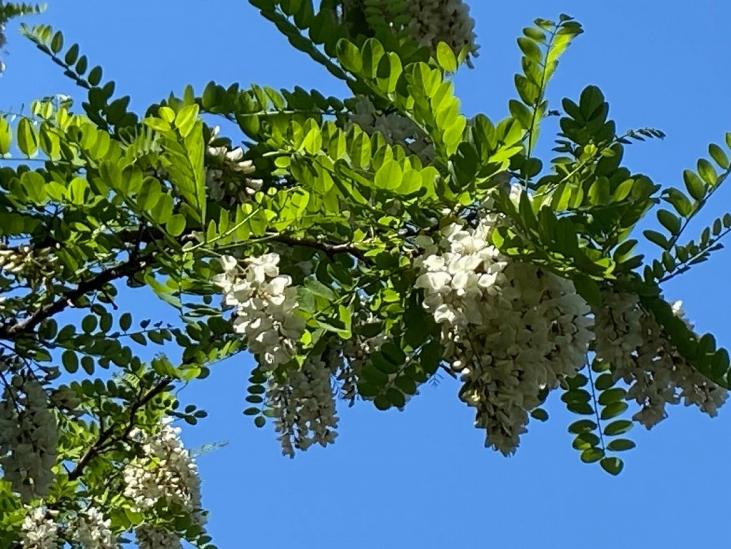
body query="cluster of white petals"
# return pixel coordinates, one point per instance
(15, 260)
(632, 342)
(357, 352)
(151, 537)
(26, 262)
(265, 304)
(28, 437)
(395, 128)
(425, 22)
(303, 406)
(91, 530)
(511, 329)
(166, 471)
(434, 21)
(39, 530)
(226, 172)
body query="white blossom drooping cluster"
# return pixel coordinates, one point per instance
(632, 342)
(356, 353)
(511, 329)
(426, 22)
(265, 303)
(28, 437)
(227, 170)
(304, 406)
(166, 471)
(39, 530)
(26, 261)
(152, 537)
(434, 21)
(91, 530)
(395, 128)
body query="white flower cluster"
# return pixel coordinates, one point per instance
(39, 530)
(225, 179)
(511, 329)
(15, 261)
(28, 438)
(265, 303)
(24, 261)
(426, 22)
(356, 352)
(151, 537)
(165, 472)
(304, 406)
(395, 128)
(633, 343)
(92, 531)
(434, 21)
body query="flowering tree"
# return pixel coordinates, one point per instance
(355, 247)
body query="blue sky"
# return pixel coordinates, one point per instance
(422, 478)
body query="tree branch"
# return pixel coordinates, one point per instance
(96, 283)
(105, 437)
(329, 249)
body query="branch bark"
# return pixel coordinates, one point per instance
(17, 329)
(105, 437)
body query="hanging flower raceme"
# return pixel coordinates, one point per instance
(91, 530)
(39, 530)
(227, 172)
(357, 353)
(511, 329)
(265, 304)
(303, 406)
(395, 128)
(28, 437)
(165, 471)
(151, 537)
(434, 21)
(425, 22)
(631, 341)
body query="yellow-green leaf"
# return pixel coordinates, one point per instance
(27, 138)
(389, 175)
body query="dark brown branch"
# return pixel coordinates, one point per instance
(329, 249)
(150, 235)
(105, 437)
(96, 283)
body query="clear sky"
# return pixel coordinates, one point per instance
(422, 478)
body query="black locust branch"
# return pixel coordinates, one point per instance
(96, 283)
(106, 438)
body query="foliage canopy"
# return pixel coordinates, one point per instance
(361, 246)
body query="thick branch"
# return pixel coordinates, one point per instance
(134, 265)
(105, 437)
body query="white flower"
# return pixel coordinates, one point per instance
(91, 530)
(510, 329)
(28, 438)
(631, 341)
(434, 281)
(304, 406)
(395, 128)
(266, 305)
(428, 22)
(165, 472)
(150, 537)
(224, 168)
(229, 264)
(38, 530)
